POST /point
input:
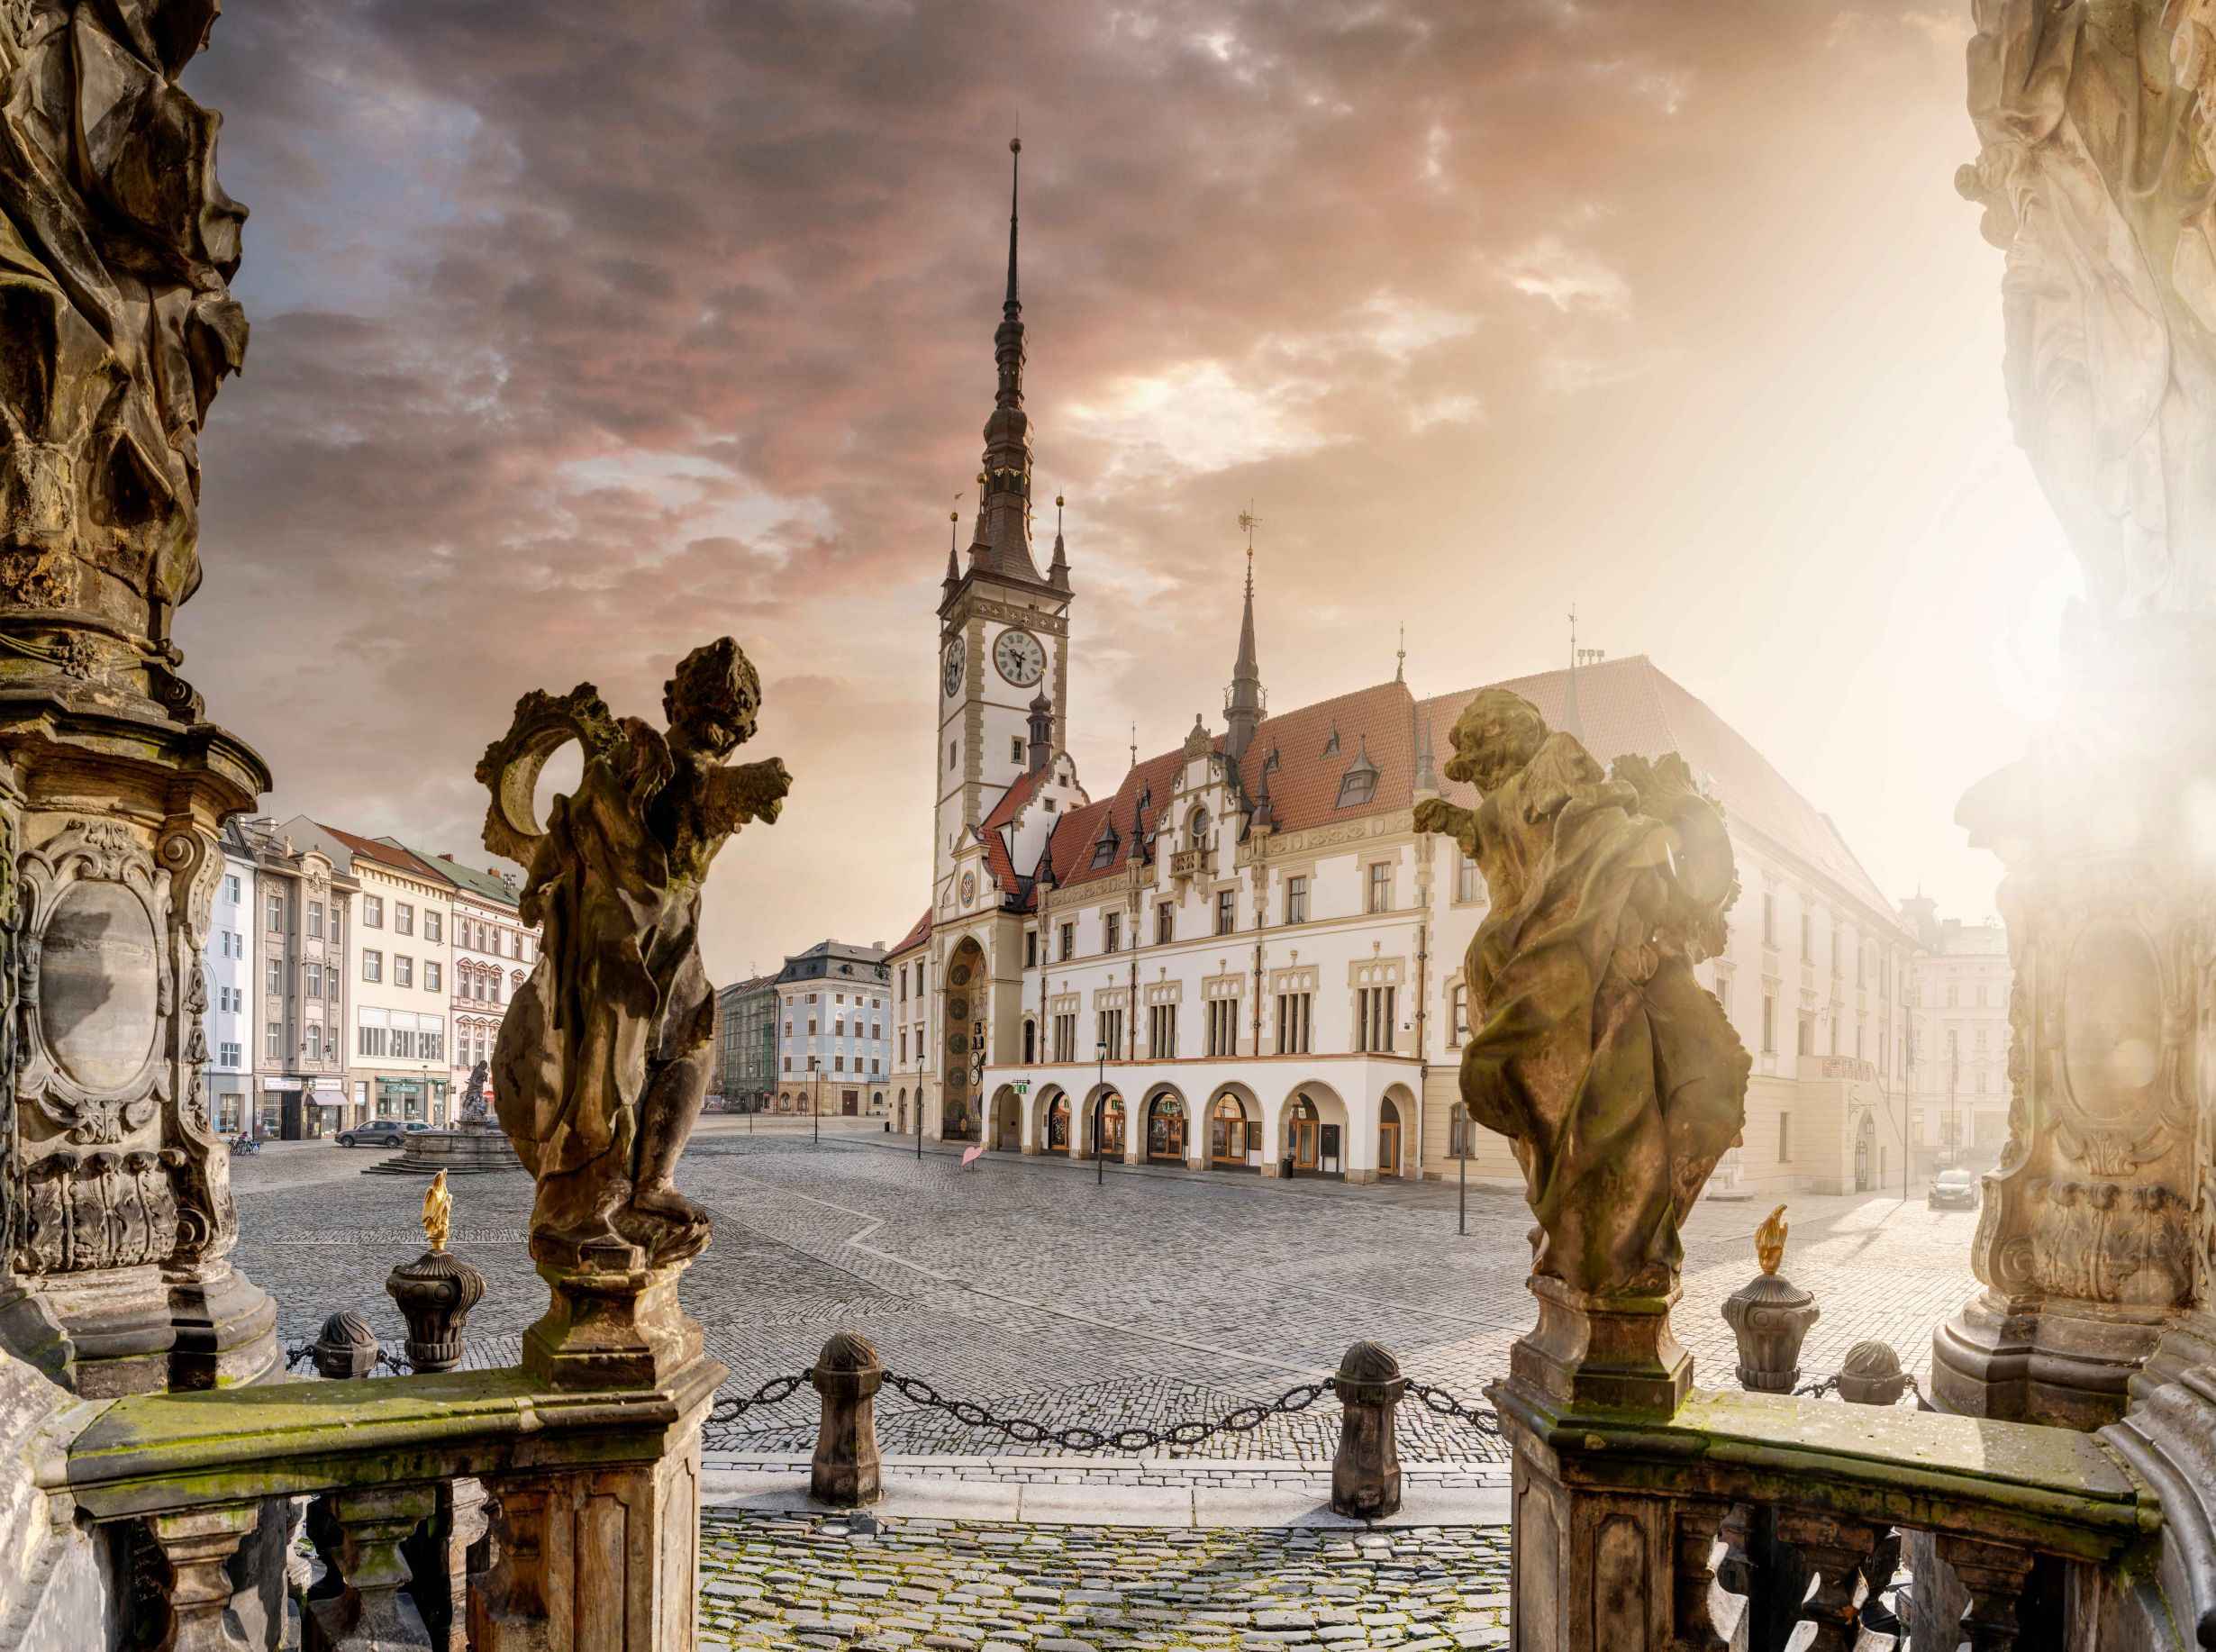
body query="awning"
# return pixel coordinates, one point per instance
(327, 1098)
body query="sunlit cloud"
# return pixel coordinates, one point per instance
(1565, 278)
(1194, 417)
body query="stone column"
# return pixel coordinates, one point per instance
(117, 1279)
(196, 1545)
(369, 1612)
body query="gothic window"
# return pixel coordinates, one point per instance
(1197, 830)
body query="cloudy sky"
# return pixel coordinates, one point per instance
(585, 332)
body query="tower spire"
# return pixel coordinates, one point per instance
(1399, 656)
(1003, 538)
(1243, 703)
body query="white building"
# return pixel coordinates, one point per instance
(398, 1066)
(1247, 958)
(1960, 1071)
(489, 954)
(834, 1043)
(227, 963)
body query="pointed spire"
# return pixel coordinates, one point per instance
(1573, 724)
(1427, 761)
(1003, 537)
(1244, 701)
(954, 567)
(1400, 657)
(1012, 306)
(1057, 570)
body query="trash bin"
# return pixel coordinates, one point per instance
(1285, 1167)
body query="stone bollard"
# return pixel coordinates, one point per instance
(346, 1348)
(1769, 1317)
(846, 1470)
(1871, 1376)
(1366, 1474)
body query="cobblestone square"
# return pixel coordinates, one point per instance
(1019, 1284)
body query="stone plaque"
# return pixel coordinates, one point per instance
(99, 985)
(2112, 1023)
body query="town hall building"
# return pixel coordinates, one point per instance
(1245, 959)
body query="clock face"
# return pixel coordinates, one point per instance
(953, 672)
(1020, 657)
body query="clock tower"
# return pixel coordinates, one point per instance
(1003, 629)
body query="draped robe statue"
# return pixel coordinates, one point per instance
(604, 1057)
(1612, 1072)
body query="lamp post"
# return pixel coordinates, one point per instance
(1100, 1107)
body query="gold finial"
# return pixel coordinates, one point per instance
(1770, 1240)
(1249, 522)
(437, 1212)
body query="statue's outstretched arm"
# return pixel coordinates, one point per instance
(1437, 814)
(748, 792)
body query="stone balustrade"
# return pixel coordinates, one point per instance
(589, 1500)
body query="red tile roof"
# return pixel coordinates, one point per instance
(390, 854)
(1630, 707)
(916, 936)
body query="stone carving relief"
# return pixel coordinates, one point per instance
(94, 986)
(98, 1209)
(2111, 1243)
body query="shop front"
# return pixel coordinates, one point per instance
(1167, 1129)
(414, 1098)
(1234, 1139)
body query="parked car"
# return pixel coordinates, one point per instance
(380, 1133)
(1953, 1189)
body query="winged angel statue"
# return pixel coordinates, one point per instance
(1612, 1072)
(603, 1059)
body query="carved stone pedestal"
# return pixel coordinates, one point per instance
(612, 1323)
(1609, 1351)
(604, 1559)
(118, 1278)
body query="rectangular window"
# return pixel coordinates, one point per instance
(404, 918)
(231, 1056)
(430, 926)
(1769, 1023)
(1165, 923)
(1031, 960)
(1294, 1018)
(1162, 1031)
(1381, 887)
(315, 920)
(313, 1046)
(1464, 883)
(1784, 1137)
(273, 977)
(1015, 747)
(1108, 1031)
(374, 1041)
(373, 911)
(1808, 938)
(404, 970)
(276, 911)
(1296, 900)
(1373, 1019)
(273, 1041)
(430, 975)
(1457, 1020)
(233, 891)
(1227, 910)
(372, 966)
(313, 987)
(1223, 1026)
(1111, 931)
(1769, 918)
(1069, 941)
(1065, 1038)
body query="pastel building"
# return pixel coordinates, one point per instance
(834, 1036)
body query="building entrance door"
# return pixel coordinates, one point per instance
(851, 1102)
(1227, 1133)
(1165, 1128)
(1866, 1145)
(1389, 1139)
(1306, 1135)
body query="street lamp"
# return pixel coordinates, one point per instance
(1100, 1104)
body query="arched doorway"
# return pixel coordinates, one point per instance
(1058, 1123)
(1007, 1121)
(969, 1000)
(1166, 1127)
(1103, 1115)
(1315, 1131)
(1866, 1154)
(1228, 1130)
(1388, 1138)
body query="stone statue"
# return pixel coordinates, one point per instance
(2095, 145)
(116, 326)
(473, 1109)
(603, 1059)
(1612, 1071)
(437, 1212)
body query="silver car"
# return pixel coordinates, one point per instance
(1955, 1190)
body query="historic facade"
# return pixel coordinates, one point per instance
(299, 904)
(746, 1042)
(227, 956)
(490, 953)
(1958, 1068)
(1247, 956)
(833, 1050)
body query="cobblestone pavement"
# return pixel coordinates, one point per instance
(1019, 1284)
(806, 1580)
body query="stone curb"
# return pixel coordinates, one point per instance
(1281, 1496)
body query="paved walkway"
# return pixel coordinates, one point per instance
(771, 1580)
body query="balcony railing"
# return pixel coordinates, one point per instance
(1191, 863)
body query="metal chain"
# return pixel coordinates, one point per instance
(1024, 1430)
(728, 1410)
(1816, 1391)
(300, 1353)
(1481, 1417)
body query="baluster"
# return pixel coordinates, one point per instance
(438, 1558)
(1835, 1550)
(1993, 1576)
(1692, 1614)
(369, 1612)
(196, 1545)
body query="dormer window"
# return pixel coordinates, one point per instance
(1358, 784)
(1331, 745)
(1104, 851)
